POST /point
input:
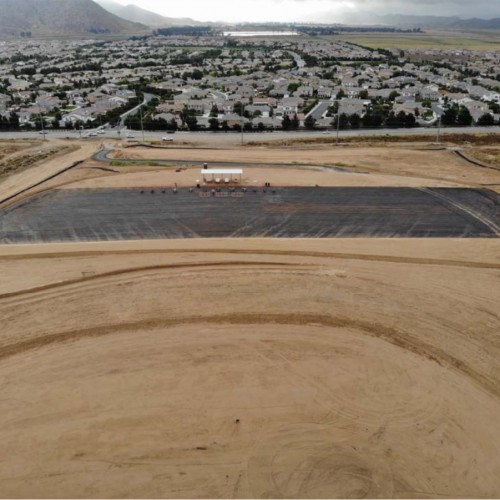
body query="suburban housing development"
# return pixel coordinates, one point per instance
(221, 83)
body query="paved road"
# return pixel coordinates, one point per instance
(103, 157)
(133, 111)
(320, 109)
(221, 138)
(129, 214)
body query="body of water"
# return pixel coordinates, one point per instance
(260, 33)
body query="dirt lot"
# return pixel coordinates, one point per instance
(258, 368)
(250, 368)
(408, 162)
(25, 170)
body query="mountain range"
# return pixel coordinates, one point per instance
(88, 17)
(405, 21)
(61, 17)
(136, 14)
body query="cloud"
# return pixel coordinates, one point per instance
(314, 10)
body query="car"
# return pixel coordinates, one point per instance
(42, 132)
(326, 132)
(167, 138)
(93, 134)
(130, 136)
(101, 132)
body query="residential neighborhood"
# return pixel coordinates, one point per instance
(219, 83)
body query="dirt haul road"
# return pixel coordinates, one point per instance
(250, 368)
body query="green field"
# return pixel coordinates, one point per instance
(487, 40)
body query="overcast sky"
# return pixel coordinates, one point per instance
(313, 10)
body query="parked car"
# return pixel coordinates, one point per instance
(167, 138)
(130, 136)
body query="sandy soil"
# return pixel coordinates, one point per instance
(161, 177)
(407, 162)
(18, 181)
(394, 165)
(258, 368)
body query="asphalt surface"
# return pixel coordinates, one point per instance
(320, 109)
(103, 157)
(125, 214)
(222, 138)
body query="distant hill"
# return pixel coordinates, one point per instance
(404, 21)
(61, 17)
(143, 16)
(441, 22)
(480, 24)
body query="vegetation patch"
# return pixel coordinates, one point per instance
(454, 139)
(138, 163)
(487, 156)
(22, 162)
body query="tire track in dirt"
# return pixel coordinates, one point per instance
(332, 255)
(395, 337)
(133, 270)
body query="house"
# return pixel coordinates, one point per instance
(289, 105)
(267, 122)
(5, 100)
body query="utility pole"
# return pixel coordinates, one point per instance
(43, 129)
(338, 126)
(142, 124)
(242, 131)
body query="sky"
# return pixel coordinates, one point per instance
(313, 10)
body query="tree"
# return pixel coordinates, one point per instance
(391, 120)
(373, 118)
(363, 94)
(486, 120)
(340, 94)
(355, 120)
(191, 122)
(393, 95)
(449, 116)
(295, 122)
(172, 125)
(309, 122)
(214, 112)
(213, 124)
(286, 123)
(238, 108)
(343, 121)
(464, 118)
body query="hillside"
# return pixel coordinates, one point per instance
(136, 14)
(409, 21)
(441, 22)
(61, 17)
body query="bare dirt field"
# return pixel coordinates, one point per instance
(237, 368)
(26, 170)
(408, 162)
(255, 368)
